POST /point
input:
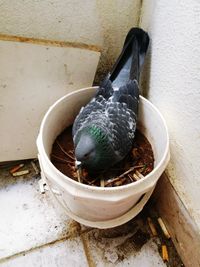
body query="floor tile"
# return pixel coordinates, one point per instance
(35, 231)
(66, 253)
(28, 218)
(126, 245)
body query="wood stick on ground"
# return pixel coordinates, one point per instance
(152, 226)
(164, 229)
(20, 173)
(35, 167)
(16, 168)
(165, 255)
(130, 177)
(65, 152)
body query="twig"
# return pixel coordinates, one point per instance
(123, 174)
(62, 160)
(102, 182)
(136, 177)
(35, 167)
(112, 181)
(139, 174)
(71, 153)
(130, 170)
(79, 174)
(120, 182)
(65, 152)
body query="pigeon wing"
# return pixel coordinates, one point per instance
(88, 113)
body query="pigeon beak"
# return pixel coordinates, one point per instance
(78, 164)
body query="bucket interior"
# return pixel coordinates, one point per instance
(62, 115)
(152, 125)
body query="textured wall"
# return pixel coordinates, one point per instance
(100, 22)
(174, 87)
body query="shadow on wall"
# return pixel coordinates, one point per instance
(145, 74)
(105, 66)
(114, 29)
(147, 23)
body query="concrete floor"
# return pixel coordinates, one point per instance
(34, 231)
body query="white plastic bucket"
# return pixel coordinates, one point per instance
(97, 206)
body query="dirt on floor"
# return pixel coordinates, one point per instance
(112, 245)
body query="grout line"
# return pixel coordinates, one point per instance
(37, 41)
(87, 251)
(2, 260)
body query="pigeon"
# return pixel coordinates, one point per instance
(104, 130)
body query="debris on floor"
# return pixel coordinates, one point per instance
(122, 244)
(16, 168)
(143, 241)
(164, 229)
(36, 169)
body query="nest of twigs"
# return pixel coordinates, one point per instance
(138, 163)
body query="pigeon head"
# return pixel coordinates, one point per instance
(92, 147)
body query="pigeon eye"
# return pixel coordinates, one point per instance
(86, 155)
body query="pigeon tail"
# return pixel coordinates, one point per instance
(131, 59)
(104, 130)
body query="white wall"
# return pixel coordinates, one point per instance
(29, 85)
(100, 22)
(174, 87)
